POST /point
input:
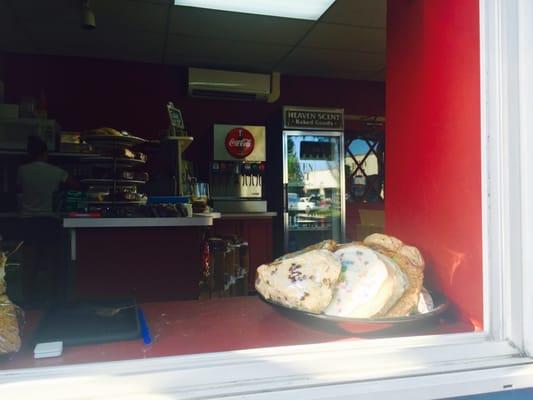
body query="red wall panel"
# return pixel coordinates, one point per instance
(86, 93)
(433, 147)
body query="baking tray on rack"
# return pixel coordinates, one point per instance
(109, 161)
(110, 182)
(113, 141)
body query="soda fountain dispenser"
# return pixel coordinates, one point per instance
(236, 172)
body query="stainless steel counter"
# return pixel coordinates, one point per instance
(249, 215)
(76, 223)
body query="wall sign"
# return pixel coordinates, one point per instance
(307, 118)
(239, 142)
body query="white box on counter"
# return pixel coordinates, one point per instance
(9, 111)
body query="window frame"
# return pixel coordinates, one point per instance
(421, 366)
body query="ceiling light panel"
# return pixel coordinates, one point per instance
(300, 9)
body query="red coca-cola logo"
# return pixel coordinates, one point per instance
(239, 143)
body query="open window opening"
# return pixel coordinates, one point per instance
(188, 256)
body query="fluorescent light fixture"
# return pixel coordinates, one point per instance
(300, 9)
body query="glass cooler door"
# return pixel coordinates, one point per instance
(313, 183)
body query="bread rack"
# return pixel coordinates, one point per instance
(114, 163)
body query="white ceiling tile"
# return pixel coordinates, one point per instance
(192, 21)
(343, 37)
(123, 45)
(183, 50)
(127, 14)
(136, 30)
(324, 59)
(12, 36)
(370, 13)
(47, 12)
(118, 14)
(322, 62)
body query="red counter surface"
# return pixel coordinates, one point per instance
(188, 327)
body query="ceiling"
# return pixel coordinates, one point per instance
(347, 42)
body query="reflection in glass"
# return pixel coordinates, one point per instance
(313, 189)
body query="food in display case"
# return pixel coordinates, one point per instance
(11, 317)
(124, 153)
(305, 282)
(3, 261)
(105, 131)
(379, 278)
(111, 182)
(10, 326)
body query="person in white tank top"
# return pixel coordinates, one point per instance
(38, 181)
(41, 228)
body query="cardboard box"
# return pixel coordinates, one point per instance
(372, 221)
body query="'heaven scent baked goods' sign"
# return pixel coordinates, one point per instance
(308, 118)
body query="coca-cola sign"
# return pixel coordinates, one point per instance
(239, 143)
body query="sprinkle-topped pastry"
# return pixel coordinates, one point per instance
(369, 284)
(304, 282)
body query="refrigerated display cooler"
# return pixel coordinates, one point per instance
(313, 176)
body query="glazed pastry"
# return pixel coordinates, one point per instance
(304, 282)
(369, 283)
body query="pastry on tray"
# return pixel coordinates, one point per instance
(412, 265)
(380, 277)
(304, 282)
(369, 285)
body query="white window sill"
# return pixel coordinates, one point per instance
(422, 364)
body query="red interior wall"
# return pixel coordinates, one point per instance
(86, 93)
(433, 159)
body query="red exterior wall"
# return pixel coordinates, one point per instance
(433, 156)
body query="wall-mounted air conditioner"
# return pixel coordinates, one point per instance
(229, 85)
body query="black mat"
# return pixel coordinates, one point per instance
(86, 322)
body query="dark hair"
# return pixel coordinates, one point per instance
(36, 147)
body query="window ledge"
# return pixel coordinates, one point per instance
(387, 363)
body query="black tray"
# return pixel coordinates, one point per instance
(86, 322)
(357, 325)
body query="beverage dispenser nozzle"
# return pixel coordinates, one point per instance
(247, 174)
(255, 174)
(235, 171)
